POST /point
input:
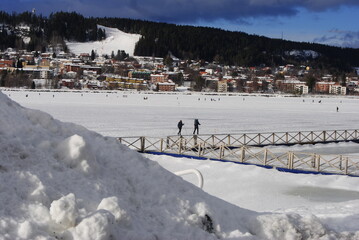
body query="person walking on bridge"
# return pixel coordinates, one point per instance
(196, 125)
(180, 125)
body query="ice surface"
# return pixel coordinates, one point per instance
(120, 114)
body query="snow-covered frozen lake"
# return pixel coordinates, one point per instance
(120, 114)
(333, 199)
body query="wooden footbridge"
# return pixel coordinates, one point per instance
(250, 148)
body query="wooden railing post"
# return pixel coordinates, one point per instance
(259, 139)
(290, 160)
(335, 135)
(313, 160)
(180, 145)
(168, 143)
(195, 140)
(142, 141)
(221, 152)
(312, 136)
(265, 156)
(243, 154)
(318, 162)
(273, 138)
(286, 138)
(340, 162)
(346, 165)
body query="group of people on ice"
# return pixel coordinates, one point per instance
(196, 127)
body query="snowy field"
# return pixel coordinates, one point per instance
(120, 114)
(280, 205)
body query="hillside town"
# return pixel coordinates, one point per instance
(58, 69)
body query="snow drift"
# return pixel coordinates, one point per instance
(62, 181)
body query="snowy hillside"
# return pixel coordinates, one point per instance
(115, 40)
(62, 181)
(303, 53)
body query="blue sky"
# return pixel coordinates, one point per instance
(333, 22)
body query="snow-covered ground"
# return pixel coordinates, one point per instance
(120, 114)
(115, 40)
(62, 180)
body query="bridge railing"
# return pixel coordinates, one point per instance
(262, 139)
(236, 148)
(321, 163)
(237, 140)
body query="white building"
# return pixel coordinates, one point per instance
(42, 83)
(222, 86)
(301, 88)
(337, 89)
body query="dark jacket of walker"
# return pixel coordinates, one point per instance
(196, 122)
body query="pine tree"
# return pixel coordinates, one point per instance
(310, 80)
(168, 61)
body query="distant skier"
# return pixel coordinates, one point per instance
(337, 109)
(196, 124)
(180, 125)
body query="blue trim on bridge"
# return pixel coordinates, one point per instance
(281, 169)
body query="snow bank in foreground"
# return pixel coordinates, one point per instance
(115, 40)
(61, 181)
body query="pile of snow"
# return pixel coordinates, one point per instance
(62, 181)
(303, 53)
(115, 40)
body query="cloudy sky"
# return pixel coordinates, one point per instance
(333, 22)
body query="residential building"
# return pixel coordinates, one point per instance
(158, 78)
(301, 89)
(6, 63)
(222, 86)
(323, 87)
(140, 74)
(337, 89)
(166, 86)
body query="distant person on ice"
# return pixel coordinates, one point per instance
(196, 124)
(180, 125)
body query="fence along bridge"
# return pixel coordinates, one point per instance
(249, 148)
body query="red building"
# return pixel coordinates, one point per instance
(166, 87)
(6, 63)
(158, 78)
(323, 87)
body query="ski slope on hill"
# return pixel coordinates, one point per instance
(115, 40)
